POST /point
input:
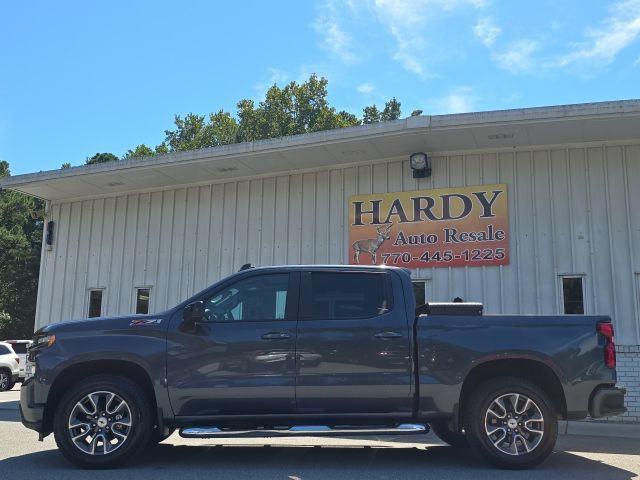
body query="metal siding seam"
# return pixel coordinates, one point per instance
(501, 267)
(344, 218)
(132, 292)
(554, 243)
(66, 257)
(193, 288)
(42, 271)
(145, 276)
(518, 243)
(172, 226)
(483, 272)
(157, 272)
(552, 211)
(466, 268)
(88, 246)
(570, 205)
(609, 233)
(124, 241)
(625, 172)
(221, 236)
(184, 244)
(449, 269)
(594, 290)
(536, 253)
(74, 276)
(208, 250)
(47, 291)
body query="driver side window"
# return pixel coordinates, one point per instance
(260, 297)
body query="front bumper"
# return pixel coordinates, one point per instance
(32, 414)
(607, 402)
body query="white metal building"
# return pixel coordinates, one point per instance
(159, 229)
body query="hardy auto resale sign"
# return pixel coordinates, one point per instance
(449, 227)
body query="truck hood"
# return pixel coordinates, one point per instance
(156, 321)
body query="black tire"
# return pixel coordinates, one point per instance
(5, 380)
(444, 430)
(526, 448)
(137, 413)
(157, 436)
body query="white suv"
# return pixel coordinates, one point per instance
(9, 370)
(20, 347)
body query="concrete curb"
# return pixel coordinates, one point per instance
(599, 429)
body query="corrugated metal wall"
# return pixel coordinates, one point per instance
(571, 211)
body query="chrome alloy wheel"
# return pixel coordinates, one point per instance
(4, 381)
(514, 424)
(100, 423)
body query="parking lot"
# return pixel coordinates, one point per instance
(414, 457)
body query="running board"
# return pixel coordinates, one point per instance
(302, 431)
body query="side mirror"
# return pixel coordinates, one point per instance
(193, 313)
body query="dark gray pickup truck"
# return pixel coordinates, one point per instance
(318, 350)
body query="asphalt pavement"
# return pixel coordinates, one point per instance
(413, 457)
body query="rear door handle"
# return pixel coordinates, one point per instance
(388, 335)
(276, 336)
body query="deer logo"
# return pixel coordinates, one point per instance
(371, 245)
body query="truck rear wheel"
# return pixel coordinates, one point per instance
(103, 421)
(511, 422)
(445, 432)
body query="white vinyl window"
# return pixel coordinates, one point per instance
(96, 299)
(572, 290)
(421, 291)
(143, 296)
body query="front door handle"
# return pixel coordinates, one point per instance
(276, 336)
(388, 335)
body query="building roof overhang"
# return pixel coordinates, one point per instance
(527, 127)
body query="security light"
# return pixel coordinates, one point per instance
(420, 165)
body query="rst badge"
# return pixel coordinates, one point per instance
(141, 322)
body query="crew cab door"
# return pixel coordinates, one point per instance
(240, 359)
(353, 348)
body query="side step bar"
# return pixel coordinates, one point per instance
(302, 431)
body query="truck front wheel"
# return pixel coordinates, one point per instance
(511, 422)
(103, 421)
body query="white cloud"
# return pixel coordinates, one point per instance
(365, 88)
(458, 100)
(486, 30)
(407, 21)
(276, 76)
(518, 56)
(333, 38)
(619, 30)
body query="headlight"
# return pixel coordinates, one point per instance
(45, 341)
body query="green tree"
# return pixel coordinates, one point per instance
(20, 244)
(370, 114)
(101, 158)
(391, 110)
(140, 151)
(293, 109)
(66, 165)
(416, 113)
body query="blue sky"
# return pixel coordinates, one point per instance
(78, 78)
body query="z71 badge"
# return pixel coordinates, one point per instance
(141, 322)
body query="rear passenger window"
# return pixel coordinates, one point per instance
(4, 350)
(19, 347)
(341, 296)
